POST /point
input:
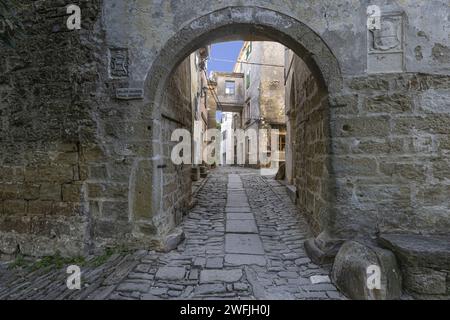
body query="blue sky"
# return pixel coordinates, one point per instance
(224, 51)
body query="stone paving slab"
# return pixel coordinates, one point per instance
(245, 259)
(237, 196)
(239, 216)
(238, 204)
(243, 243)
(209, 276)
(171, 273)
(214, 263)
(237, 209)
(241, 226)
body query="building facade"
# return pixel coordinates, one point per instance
(200, 109)
(262, 63)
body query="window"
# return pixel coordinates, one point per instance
(224, 135)
(230, 88)
(247, 79)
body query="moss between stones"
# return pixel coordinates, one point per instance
(49, 262)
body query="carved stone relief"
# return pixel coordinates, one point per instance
(385, 44)
(118, 64)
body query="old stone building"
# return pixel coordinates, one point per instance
(262, 63)
(200, 114)
(87, 115)
(230, 94)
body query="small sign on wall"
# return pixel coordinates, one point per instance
(129, 93)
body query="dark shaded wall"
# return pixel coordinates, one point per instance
(47, 133)
(308, 112)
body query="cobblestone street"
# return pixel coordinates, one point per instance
(244, 240)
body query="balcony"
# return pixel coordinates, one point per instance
(230, 91)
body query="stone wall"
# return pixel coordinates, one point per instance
(47, 130)
(391, 154)
(386, 167)
(76, 171)
(176, 179)
(308, 114)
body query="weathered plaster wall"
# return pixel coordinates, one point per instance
(271, 87)
(252, 91)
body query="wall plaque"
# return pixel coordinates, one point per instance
(386, 42)
(118, 64)
(129, 93)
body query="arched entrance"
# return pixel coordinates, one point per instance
(253, 23)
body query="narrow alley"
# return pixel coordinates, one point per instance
(244, 240)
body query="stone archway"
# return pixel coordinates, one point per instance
(240, 22)
(243, 21)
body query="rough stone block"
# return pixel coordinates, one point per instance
(71, 192)
(31, 191)
(424, 259)
(376, 126)
(173, 239)
(40, 207)
(14, 207)
(11, 191)
(432, 251)
(115, 210)
(322, 249)
(142, 195)
(350, 273)
(395, 103)
(50, 191)
(108, 191)
(425, 281)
